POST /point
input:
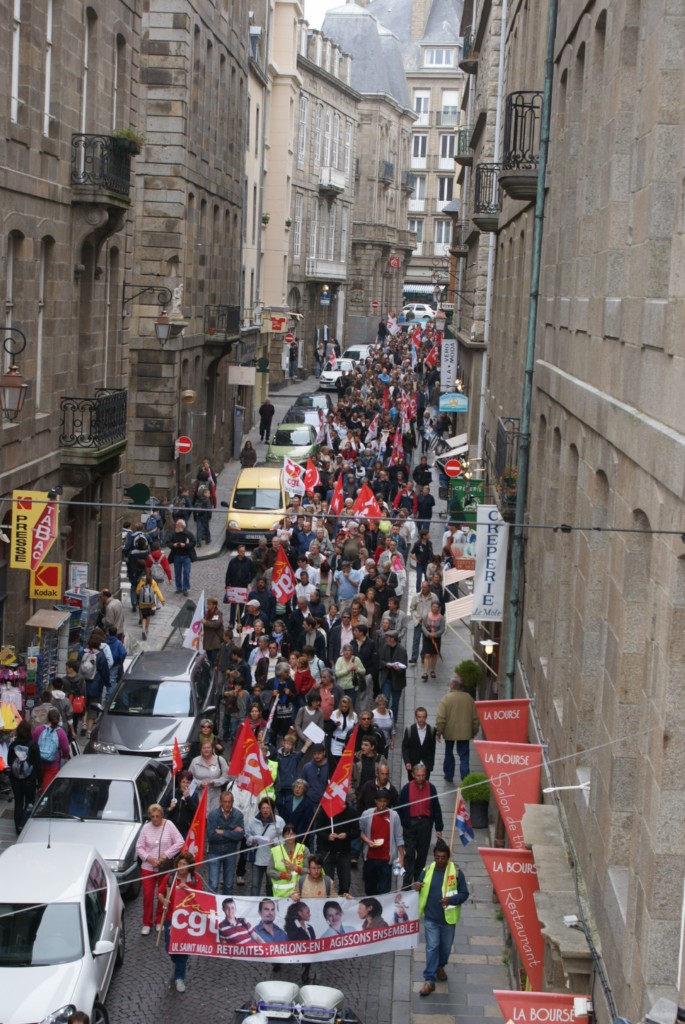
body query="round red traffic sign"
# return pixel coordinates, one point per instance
(453, 467)
(184, 445)
(289, 338)
(375, 304)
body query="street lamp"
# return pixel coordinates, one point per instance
(489, 645)
(440, 320)
(12, 387)
(163, 327)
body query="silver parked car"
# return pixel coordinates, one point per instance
(61, 932)
(101, 801)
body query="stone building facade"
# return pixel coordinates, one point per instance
(188, 238)
(602, 605)
(381, 243)
(72, 80)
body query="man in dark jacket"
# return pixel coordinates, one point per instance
(418, 743)
(182, 555)
(239, 573)
(419, 811)
(267, 601)
(266, 415)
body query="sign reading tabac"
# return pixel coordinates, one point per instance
(513, 771)
(34, 528)
(539, 1007)
(515, 880)
(504, 720)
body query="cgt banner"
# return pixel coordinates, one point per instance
(292, 931)
(539, 1007)
(515, 880)
(513, 770)
(504, 720)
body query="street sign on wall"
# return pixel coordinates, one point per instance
(183, 445)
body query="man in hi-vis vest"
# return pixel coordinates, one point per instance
(442, 890)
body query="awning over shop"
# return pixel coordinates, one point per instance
(461, 609)
(421, 289)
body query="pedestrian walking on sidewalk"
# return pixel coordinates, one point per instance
(149, 596)
(266, 415)
(456, 721)
(182, 555)
(419, 811)
(442, 890)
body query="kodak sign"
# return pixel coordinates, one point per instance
(34, 528)
(513, 771)
(515, 880)
(46, 582)
(505, 720)
(539, 1007)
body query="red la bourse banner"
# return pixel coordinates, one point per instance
(515, 880)
(283, 930)
(505, 720)
(539, 1007)
(513, 770)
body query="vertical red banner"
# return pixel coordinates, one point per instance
(513, 770)
(539, 1007)
(504, 720)
(515, 880)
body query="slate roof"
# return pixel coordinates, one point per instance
(378, 64)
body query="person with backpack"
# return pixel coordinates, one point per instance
(26, 773)
(111, 612)
(202, 503)
(119, 652)
(154, 526)
(76, 692)
(149, 595)
(53, 746)
(158, 564)
(94, 670)
(136, 558)
(205, 477)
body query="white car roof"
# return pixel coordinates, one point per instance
(103, 766)
(38, 873)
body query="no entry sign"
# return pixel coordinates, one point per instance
(453, 467)
(184, 445)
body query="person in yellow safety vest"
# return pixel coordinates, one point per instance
(270, 791)
(442, 890)
(289, 861)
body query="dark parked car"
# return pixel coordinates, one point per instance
(162, 696)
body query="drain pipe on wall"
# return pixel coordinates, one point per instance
(492, 238)
(527, 399)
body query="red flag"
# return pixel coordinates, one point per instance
(248, 764)
(283, 578)
(432, 357)
(372, 432)
(332, 361)
(195, 840)
(366, 505)
(177, 762)
(334, 799)
(416, 336)
(338, 499)
(312, 477)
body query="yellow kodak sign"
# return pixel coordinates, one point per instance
(46, 582)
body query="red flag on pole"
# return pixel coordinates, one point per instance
(312, 477)
(432, 357)
(195, 840)
(338, 499)
(334, 799)
(372, 432)
(366, 504)
(248, 764)
(177, 762)
(283, 578)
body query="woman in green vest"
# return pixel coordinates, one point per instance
(289, 861)
(442, 890)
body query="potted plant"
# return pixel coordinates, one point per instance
(266, 217)
(476, 789)
(128, 139)
(288, 222)
(470, 674)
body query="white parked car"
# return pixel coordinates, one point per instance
(329, 377)
(61, 932)
(357, 352)
(418, 311)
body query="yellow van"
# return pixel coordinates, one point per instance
(257, 505)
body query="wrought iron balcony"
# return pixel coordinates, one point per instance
(221, 324)
(448, 118)
(386, 172)
(487, 204)
(506, 460)
(469, 56)
(521, 144)
(408, 181)
(460, 234)
(101, 169)
(463, 152)
(94, 427)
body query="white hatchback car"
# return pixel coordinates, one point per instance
(61, 932)
(329, 377)
(419, 311)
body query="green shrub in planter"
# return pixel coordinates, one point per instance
(470, 674)
(476, 788)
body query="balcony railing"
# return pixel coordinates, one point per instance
(386, 171)
(331, 180)
(408, 181)
(222, 322)
(423, 119)
(94, 423)
(506, 460)
(448, 118)
(100, 162)
(469, 56)
(463, 153)
(325, 270)
(416, 205)
(522, 131)
(487, 204)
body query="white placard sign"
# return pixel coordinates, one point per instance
(448, 364)
(492, 536)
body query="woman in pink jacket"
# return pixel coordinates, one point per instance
(159, 840)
